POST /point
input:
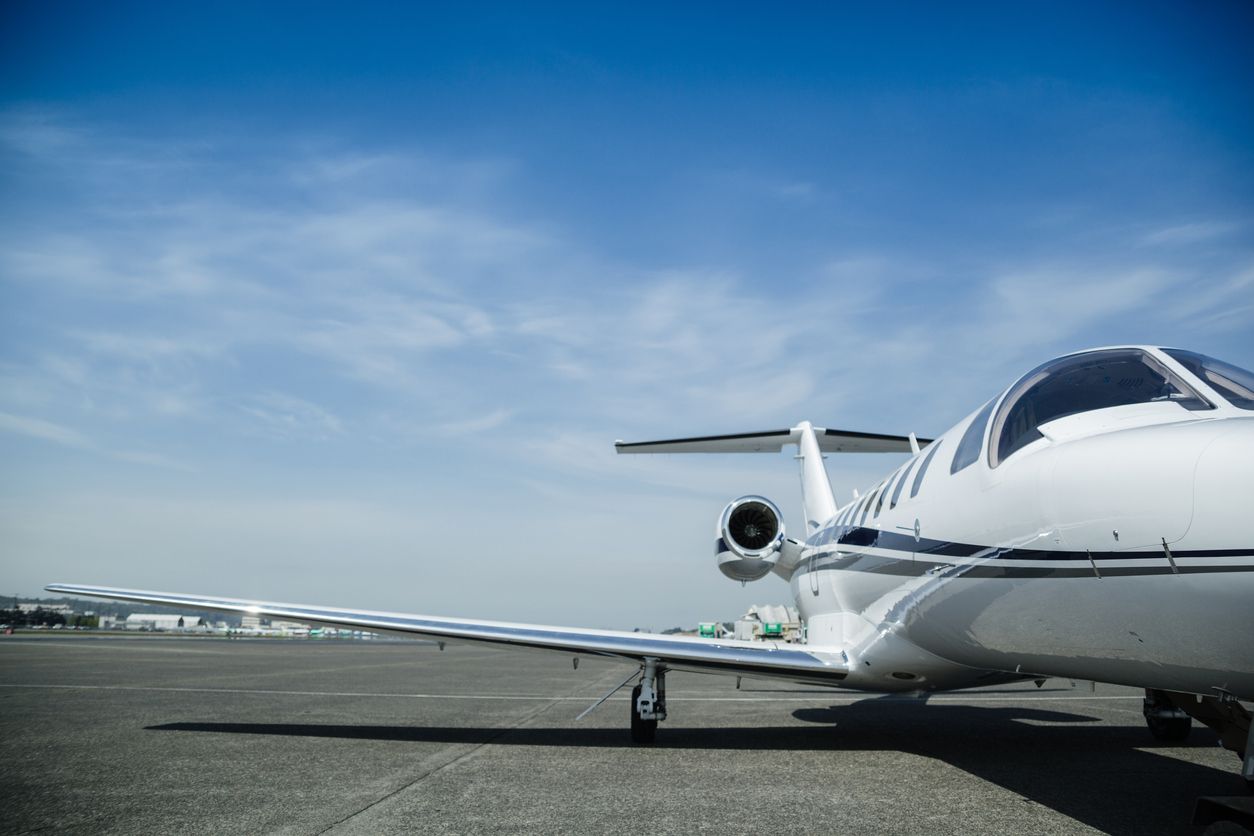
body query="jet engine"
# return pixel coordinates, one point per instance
(750, 535)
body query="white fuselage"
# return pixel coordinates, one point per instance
(1117, 547)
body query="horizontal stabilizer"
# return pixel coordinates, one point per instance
(845, 441)
(770, 441)
(773, 441)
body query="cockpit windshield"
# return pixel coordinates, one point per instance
(1233, 382)
(1083, 383)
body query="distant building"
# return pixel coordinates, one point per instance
(256, 625)
(151, 621)
(60, 609)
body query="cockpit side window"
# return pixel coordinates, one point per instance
(1083, 383)
(972, 440)
(1233, 382)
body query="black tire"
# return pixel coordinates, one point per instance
(642, 731)
(1171, 729)
(1167, 729)
(1226, 828)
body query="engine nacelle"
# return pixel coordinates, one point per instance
(750, 536)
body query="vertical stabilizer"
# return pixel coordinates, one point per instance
(817, 501)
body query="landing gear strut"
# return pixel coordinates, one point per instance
(1223, 713)
(1166, 722)
(648, 702)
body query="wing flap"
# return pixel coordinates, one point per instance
(769, 659)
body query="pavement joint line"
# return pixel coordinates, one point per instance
(450, 763)
(814, 697)
(446, 765)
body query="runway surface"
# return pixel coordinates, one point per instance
(195, 736)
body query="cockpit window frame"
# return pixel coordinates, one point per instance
(1047, 370)
(1208, 368)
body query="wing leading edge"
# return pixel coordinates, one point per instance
(767, 659)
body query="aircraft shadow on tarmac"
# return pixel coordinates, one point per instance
(1107, 777)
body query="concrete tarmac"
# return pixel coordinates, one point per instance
(206, 736)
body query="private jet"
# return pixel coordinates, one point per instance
(1087, 523)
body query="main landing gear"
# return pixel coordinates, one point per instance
(1165, 721)
(648, 702)
(1169, 716)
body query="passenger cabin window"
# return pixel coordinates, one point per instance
(901, 483)
(972, 440)
(918, 479)
(1233, 382)
(879, 506)
(1083, 383)
(867, 508)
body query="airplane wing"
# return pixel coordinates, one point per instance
(773, 441)
(799, 663)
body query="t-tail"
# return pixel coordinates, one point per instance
(750, 533)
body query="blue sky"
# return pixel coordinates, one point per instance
(347, 307)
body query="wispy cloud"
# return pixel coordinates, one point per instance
(1190, 233)
(36, 428)
(408, 335)
(283, 416)
(48, 431)
(1033, 309)
(340, 301)
(473, 426)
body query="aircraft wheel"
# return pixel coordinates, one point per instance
(1158, 709)
(1170, 730)
(642, 731)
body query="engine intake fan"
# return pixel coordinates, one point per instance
(750, 536)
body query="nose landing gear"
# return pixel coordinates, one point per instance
(648, 702)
